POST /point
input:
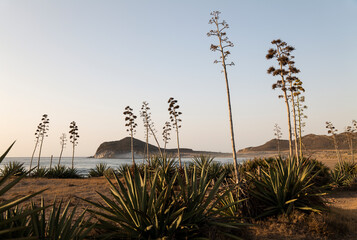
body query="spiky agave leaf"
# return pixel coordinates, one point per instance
(284, 186)
(137, 209)
(60, 224)
(10, 217)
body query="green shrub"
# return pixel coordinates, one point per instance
(323, 175)
(100, 170)
(344, 174)
(13, 220)
(39, 172)
(138, 210)
(61, 171)
(15, 168)
(286, 185)
(59, 224)
(143, 207)
(203, 162)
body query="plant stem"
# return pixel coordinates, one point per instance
(229, 104)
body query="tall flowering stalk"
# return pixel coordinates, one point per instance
(222, 48)
(278, 135)
(282, 53)
(166, 135)
(175, 120)
(43, 129)
(73, 136)
(149, 127)
(63, 142)
(131, 125)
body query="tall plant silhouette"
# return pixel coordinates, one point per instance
(222, 48)
(301, 107)
(37, 136)
(73, 137)
(43, 128)
(166, 135)
(175, 119)
(131, 125)
(63, 142)
(333, 131)
(282, 53)
(149, 127)
(350, 134)
(295, 88)
(278, 135)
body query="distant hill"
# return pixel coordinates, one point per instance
(122, 149)
(310, 142)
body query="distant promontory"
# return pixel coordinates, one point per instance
(122, 149)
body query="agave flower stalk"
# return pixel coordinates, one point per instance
(166, 135)
(222, 46)
(63, 142)
(149, 127)
(301, 115)
(350, 130)
(37, 135)
(333, 131)
(174, 118)
(42, 134)
(131, 125)
(281, 53)
(278, 135)
(73, 136)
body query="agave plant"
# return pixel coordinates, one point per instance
(13, 219)
(286, 185)
(15, 168)
(138, 210)
(204, 205)
(100, 170)
(344, 174)
(59, 224)
(61, 171)
(40, 172)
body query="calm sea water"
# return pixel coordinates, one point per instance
(84, 164)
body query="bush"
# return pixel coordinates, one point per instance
(286, 185)
(13, 168)
(100, 170)
(61, 171)
(344, 174)
(323, 175)
(39, 172)
(144, 207)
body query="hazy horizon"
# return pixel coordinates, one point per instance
(85, 61)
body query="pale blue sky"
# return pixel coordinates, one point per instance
(85, 61)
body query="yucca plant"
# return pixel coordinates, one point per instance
(344, 174)
(215, 169)
(138, 210)
(40, 172)
(203, 203)
(100, 170)
(61, 171)
(166, 166)
(13, 219)
(59, 224)
(14, 168)
(286, 185)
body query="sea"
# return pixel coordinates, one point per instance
(84, 164)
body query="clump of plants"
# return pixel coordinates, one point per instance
(284, 186)
(100, 170)
(14, 168)
(143, 206)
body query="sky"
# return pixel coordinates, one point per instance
(86, 60)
